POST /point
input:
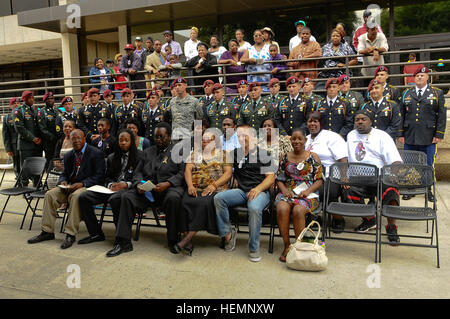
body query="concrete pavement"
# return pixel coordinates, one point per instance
(151, 271)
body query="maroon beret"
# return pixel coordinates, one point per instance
(93, 91)
(208, 82)
(253, 84)
(371, 84)
(126, 91)
(12, 100)
(84, 95)
(331, 81)
(67, 99)
(152, 92)
(217, 86)
(421, 70)
(241, 82)
(107, 93)
(273, 81)
(292, 80)
(26, 94)
(47, 95)
(343, 78)
(381, 68)
(180, 80)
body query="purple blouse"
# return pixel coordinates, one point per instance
(234, 69)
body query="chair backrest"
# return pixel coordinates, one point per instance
(413, 157)
(407, 176)
(33, 166)
(354, 174)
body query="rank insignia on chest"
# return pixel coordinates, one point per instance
(225, 111)
(165, 160)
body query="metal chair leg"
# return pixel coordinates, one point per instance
(138, 227)
(4, 206)
(103, 214)
(34, 213)
(26, 211)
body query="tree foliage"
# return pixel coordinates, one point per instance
(431, 17)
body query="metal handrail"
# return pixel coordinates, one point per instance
(224, 75)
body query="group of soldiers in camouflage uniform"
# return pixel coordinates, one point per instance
(416, 120)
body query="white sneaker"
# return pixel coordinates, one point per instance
(254, 256)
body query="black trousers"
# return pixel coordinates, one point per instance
(87, 201)
(335, 192)
(131, 202)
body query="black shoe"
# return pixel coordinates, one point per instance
(118, 249)
(337, 225)
(430, 197)
(222, 242)
(407, 197)
(391, 231)
(41, 237)
(68, 241)
(367, 225)
(91, 239)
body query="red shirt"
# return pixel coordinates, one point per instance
(119, 78)
(410, 68)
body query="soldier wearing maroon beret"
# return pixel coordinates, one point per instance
(128, 109)
(29, 139)
(152, 115)
(108, 98)
(219, 109)
(293, 110)
(242, 97)
(424, 117)
(256, 110)
(68, 114)
(355, 99)
(208, 98)
(337, 113)
(89, 115)
(274, 98)
(389, 91)
(47, 117)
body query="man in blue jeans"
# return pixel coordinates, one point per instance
(254, 172)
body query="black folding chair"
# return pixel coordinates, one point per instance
(32, 166)
(40, 194)
(410, 176)
(353, 175)
(4, 167)
(414, 157)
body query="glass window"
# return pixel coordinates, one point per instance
(24, 5)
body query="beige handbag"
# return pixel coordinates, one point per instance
(307, 256)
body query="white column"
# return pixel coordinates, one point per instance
(123, 37)
(71, 64)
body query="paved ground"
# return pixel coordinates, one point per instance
(151, 271)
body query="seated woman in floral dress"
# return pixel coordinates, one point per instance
(299, 177)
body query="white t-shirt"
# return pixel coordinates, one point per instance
(376, 148)
(295, 40)
(329, 146)
(190, 49)
(219, 53)
(244, 47)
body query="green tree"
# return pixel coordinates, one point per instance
(432, 17)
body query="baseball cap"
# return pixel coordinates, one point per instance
(300, 21)
(167, 31)
(128, 46)
(371, 23)
(138, 39)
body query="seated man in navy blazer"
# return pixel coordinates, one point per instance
(84, 167)
(167, 174)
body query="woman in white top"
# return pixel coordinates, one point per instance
(269, 36)
(255, 57)
(216, 49)
(190, 46)
(63, 146)
(331, 148)
(243, 45)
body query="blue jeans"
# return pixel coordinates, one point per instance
(237, 197)
(429, 150)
